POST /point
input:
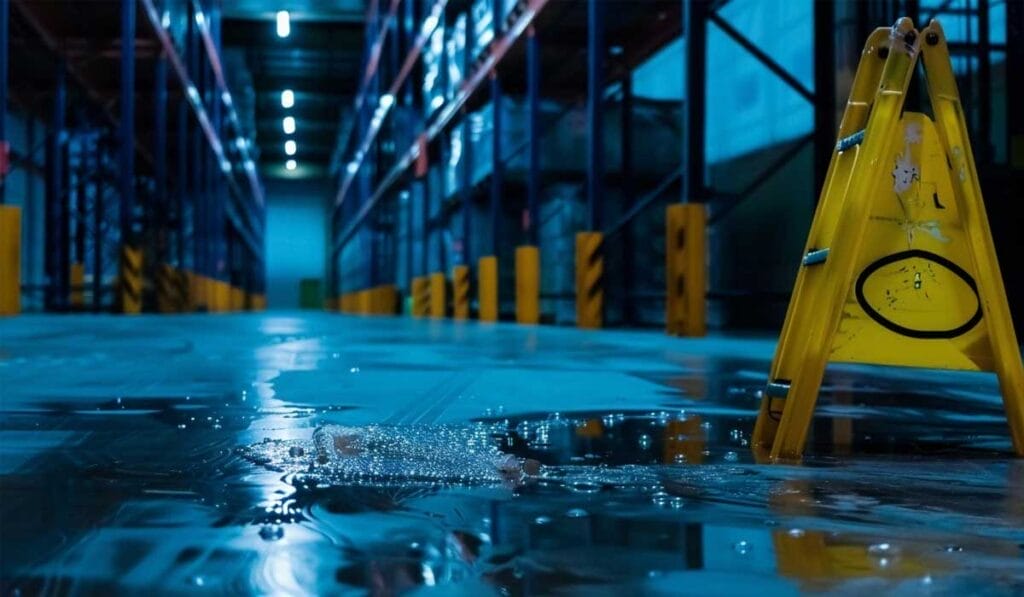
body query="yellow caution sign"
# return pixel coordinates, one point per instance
(899, 267)
(589, 280)
(460, 291)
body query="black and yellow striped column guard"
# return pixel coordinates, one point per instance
(169, 292)
(589, 280)
(130, 287)
(460, 292)
(420, 296)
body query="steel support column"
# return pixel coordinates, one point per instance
(497, 164)
(126, 128)
(466, 191)
(181, 179)
(695, 44)
(5, 41)
(98, 215)
(160, 211)
(81, 191)
(595, 113)
(824, 90)
(628, 263)
(196, 186)
(533, 134)
(56, 255)
(983, 138)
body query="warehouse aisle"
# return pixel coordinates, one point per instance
(173, 452)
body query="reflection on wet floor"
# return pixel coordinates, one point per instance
(193, 466)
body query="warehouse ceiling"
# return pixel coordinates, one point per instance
(318, 61)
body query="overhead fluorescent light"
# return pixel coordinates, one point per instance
(291, 164)
(287, 98)
(289, 125)
(284, 24)
(289, 147)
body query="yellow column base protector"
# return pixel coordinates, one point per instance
(385, 299)
(460, 292)
(685, 270)
(76, 280)
(438, 296)
(237, 299)
(10, 260)
(589, 280)
(527, 285)
(130, 280)
(487, 284)
(420, 296)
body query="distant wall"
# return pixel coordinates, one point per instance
(296, 238)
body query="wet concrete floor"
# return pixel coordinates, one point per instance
(172, 454)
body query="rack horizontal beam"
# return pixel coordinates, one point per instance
(499, 48)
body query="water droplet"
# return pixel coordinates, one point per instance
(742, 547)
(181, 425)
(197, 580)
(270, 532)
(542, 520)
(731, 456)
(796, 533)
(953, 548)
(577, 513)
(354, 370)
(880, 549)
(644, 442)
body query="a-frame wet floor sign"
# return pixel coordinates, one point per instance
(899, 267)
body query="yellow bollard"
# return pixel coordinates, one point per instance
(438, 298)
(131, 280)
(420, 296)
(169, 295)
(589, 280)
(487, 287)
(527, 285)
(10, 260)
(76, 281)
(237, 299)
(685, 271)
(460, 291)
(387, 299)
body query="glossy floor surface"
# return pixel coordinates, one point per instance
(172, 455)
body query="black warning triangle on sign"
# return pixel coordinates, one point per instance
(899, 267)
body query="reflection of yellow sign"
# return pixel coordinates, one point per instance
(899, 268)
